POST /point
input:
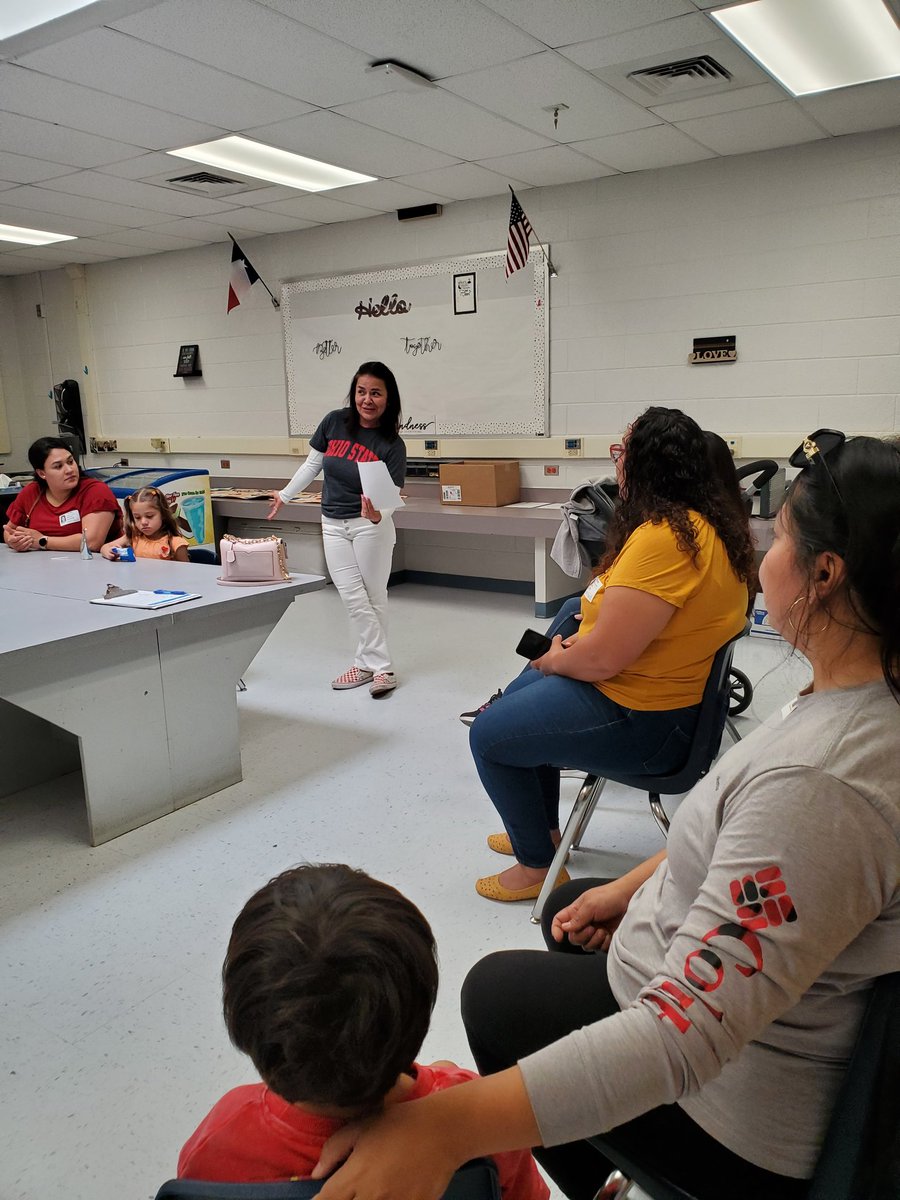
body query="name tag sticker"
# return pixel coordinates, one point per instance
(595, 586)
(70, 518)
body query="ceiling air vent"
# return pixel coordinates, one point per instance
(679, 78)
(205, 183)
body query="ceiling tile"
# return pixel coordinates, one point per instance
(753, 129)
(858, 109)
(644, 149)
(654, 43)
(580, 20)
(129, 216)
(97, 186)
(191, 228)
(522, 91)
(30, 218)
(333, 138)
(542, 168)
(14, 264)
(261, 45)
(256, 221)
(464, 181)
(387, 195)
(21, 169)
(22, 135)
(148, 240)
(321, 210)
(35, 95)
(728, 101)
(122, 66)
(436, 38)
(436, 118)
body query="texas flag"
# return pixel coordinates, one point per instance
(242, 277)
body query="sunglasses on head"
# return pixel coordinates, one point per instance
(816, 447)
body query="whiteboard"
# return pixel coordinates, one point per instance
(467, 345)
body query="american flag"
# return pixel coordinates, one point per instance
(519, 232)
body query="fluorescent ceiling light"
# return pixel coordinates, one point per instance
(18, 15)
(32, 237)
(816, 45)
(266, 162)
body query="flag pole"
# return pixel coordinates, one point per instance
(275, 303)
(553, 271)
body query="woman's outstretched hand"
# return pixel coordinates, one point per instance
(277, 503)
(591, 919)
(368, 510)
(395, 1156)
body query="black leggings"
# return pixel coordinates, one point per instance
(517, 1001)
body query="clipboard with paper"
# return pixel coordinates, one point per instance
(378, 486)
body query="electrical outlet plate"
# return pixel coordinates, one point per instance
(551, 469)
(734, 445)
(573, 448)
(431, 448)
(161, 444)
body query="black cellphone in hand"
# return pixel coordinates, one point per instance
(533, 644)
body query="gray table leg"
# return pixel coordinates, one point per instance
(110, 696)
(551, 585)
(202, 657)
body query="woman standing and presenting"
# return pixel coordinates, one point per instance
(60, 504)
(623, 691)
(358, 539)
(712, 1025)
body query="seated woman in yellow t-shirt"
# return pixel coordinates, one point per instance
(624, 691)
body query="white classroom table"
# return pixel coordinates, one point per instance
(142, 701)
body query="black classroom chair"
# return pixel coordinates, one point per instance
(475, 1180)
(707, 738)
(860, 1158)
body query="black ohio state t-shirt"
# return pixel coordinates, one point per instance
(341, 490)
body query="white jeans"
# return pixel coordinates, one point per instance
(359, 554)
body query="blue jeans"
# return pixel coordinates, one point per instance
(543, 723)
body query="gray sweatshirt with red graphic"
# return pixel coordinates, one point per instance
(743, 963)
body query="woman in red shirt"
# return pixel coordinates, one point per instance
(60, 504)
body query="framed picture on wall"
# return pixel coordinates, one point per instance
(464, 294)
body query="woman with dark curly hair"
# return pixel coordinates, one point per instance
(625, 690)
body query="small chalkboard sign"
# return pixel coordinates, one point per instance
(188, 362)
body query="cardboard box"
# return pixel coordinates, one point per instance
(759, 618)
(482, 483)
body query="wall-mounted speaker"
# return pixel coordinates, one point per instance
(420, 211)
(69, 417)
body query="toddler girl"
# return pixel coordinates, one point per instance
(150, 529)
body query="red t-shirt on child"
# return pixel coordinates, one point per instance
(253, 1136)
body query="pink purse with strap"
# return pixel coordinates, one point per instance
(249, 562)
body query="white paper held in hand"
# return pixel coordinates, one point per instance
(378, 485)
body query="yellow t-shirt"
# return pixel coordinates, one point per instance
(710, 603)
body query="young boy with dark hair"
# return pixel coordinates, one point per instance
(328, 985)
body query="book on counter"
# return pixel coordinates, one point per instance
(126, 598)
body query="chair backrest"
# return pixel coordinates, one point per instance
(707, 732)
(475, 1180)
(197, 554)
(860, 1157)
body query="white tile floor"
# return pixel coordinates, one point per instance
(112, 1041)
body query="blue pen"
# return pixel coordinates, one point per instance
(167, 592)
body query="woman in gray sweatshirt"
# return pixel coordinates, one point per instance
(715, 1016)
